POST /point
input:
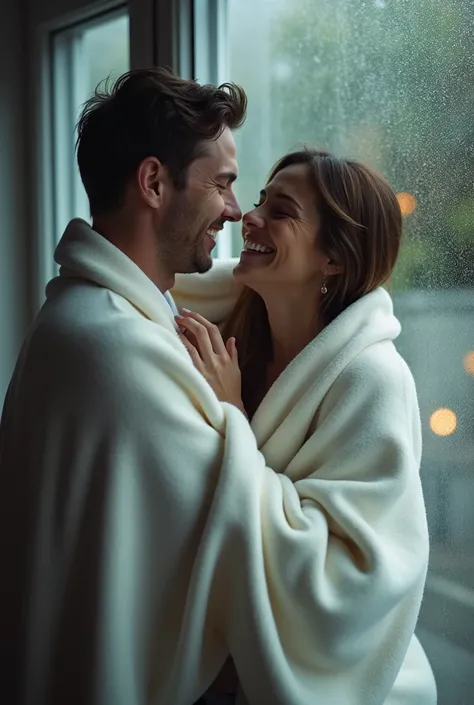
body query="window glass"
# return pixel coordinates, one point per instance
(390, 82)
(83, 56)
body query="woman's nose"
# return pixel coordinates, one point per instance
(253, 219)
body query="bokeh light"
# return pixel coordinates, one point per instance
(443, 422)
(469, 363)
(407, 203)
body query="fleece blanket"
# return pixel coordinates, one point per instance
(148, 530)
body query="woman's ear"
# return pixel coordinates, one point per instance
(332, 269)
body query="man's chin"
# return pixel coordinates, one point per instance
(204, 265)
(199, 264)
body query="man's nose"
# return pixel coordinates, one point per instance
(232, 209)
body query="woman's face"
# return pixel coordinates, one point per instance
(281, 234)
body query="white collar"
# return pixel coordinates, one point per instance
(83, 253)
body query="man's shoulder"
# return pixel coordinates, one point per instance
(90, 328)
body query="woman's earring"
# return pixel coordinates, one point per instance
(324, 289)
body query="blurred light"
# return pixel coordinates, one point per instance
(469, 363)
(407, 203)
(443, 422)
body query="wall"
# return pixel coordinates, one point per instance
(14, 192)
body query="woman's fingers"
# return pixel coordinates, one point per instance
(213, 331)
(193, 352)
(201, 335)
(217, 362)
(231, 348)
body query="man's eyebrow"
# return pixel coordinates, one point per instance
(281, 194)
(229, 176)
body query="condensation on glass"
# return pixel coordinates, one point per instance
(390, 82)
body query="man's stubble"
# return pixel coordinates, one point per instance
(180, 238)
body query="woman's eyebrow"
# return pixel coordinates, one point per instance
(282, 194)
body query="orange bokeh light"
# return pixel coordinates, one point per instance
(469, 363)
(407, 203)
(443, 422)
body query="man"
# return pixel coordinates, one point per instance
(102, 527)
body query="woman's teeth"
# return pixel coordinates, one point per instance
(256, 247)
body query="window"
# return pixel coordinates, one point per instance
(82, 56)
(388, 82)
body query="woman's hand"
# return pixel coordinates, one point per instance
(216, 361)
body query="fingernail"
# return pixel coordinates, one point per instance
(180, 318)
(186, 310)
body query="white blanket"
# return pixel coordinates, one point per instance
(155, 535)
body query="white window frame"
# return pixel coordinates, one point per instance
(52, 199)
(211, 65)
(211, 56)
(68, 81)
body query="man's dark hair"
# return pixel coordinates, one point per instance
(149, 113)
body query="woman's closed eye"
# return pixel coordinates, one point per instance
(275, 212)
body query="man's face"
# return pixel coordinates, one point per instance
(195, 215)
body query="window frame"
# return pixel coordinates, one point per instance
(160, 34)
(211, 65)
(68, 80)
(46, 192)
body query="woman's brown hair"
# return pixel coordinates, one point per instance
(360, 231)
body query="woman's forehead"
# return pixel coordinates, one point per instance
(293, 176)
(294, 180)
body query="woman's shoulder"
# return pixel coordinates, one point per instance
(375, 396)
(378, 370)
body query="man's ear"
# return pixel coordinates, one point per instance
(151, 180)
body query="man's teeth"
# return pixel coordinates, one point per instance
(256, 247)
(212, 232)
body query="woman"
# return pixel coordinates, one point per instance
(333, 408)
